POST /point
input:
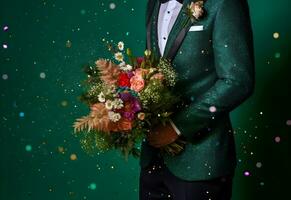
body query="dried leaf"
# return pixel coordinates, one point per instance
(109, 71)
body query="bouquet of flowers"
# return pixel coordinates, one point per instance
(126, 100)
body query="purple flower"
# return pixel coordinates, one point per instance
(128, 115)
(130, 74)
(132, 105)
(125, 96)
(136, 105)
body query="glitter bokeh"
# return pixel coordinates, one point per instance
(45, 43)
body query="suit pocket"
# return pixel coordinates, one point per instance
(196, 28)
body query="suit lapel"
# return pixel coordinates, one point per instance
(178, 32)
(152, 27)
(177, 27)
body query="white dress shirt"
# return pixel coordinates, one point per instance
(167, 16)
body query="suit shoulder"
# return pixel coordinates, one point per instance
(218, 3)
(215, 5)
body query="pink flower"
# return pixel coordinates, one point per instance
(141, 72)
(137, 83)
(139, 60)
(159, 76)
(141, 116)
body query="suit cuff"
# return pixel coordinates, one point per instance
(174, 126)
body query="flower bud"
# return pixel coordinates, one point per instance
(128, 52)
(147, 52)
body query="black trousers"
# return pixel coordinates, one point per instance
(158, 183)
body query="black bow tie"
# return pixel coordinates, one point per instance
(165, 1)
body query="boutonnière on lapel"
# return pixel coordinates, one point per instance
(195, 11)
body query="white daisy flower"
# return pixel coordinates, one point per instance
(109, 90)
(120, 45)
(122, 64)
(114, 116)
(126, 68)
(118, 56)
(101, 97)
(117, 103)
(108, 105)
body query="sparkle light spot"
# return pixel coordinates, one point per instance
(258, 164)
(247, 173)
(21, 114)
(73, 156)
(4, 76)
(83, 12)
(212, 109)
(28, 147)
(277, 139)
(5, 28)
(61, 149)
(5, 46)
(68, 44)
(64, 103)
(112, 6)
(92, 186)
(288, 122)
(276, 35)
(42, 75)
(277, 55)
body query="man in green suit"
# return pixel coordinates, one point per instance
(213, 56)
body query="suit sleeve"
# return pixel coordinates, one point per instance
(234, 64)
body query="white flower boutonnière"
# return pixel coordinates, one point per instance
(195, 11)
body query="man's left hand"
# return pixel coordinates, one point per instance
(162, 135)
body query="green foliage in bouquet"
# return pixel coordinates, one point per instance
(94, 142)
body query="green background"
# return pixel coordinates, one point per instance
(40, 73)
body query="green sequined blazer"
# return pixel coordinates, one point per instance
(215, 65)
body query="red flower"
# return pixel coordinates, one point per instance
(139, 60)
(123, 80)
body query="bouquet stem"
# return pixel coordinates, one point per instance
(174, 148)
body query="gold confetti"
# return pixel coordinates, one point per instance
(73, 157)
